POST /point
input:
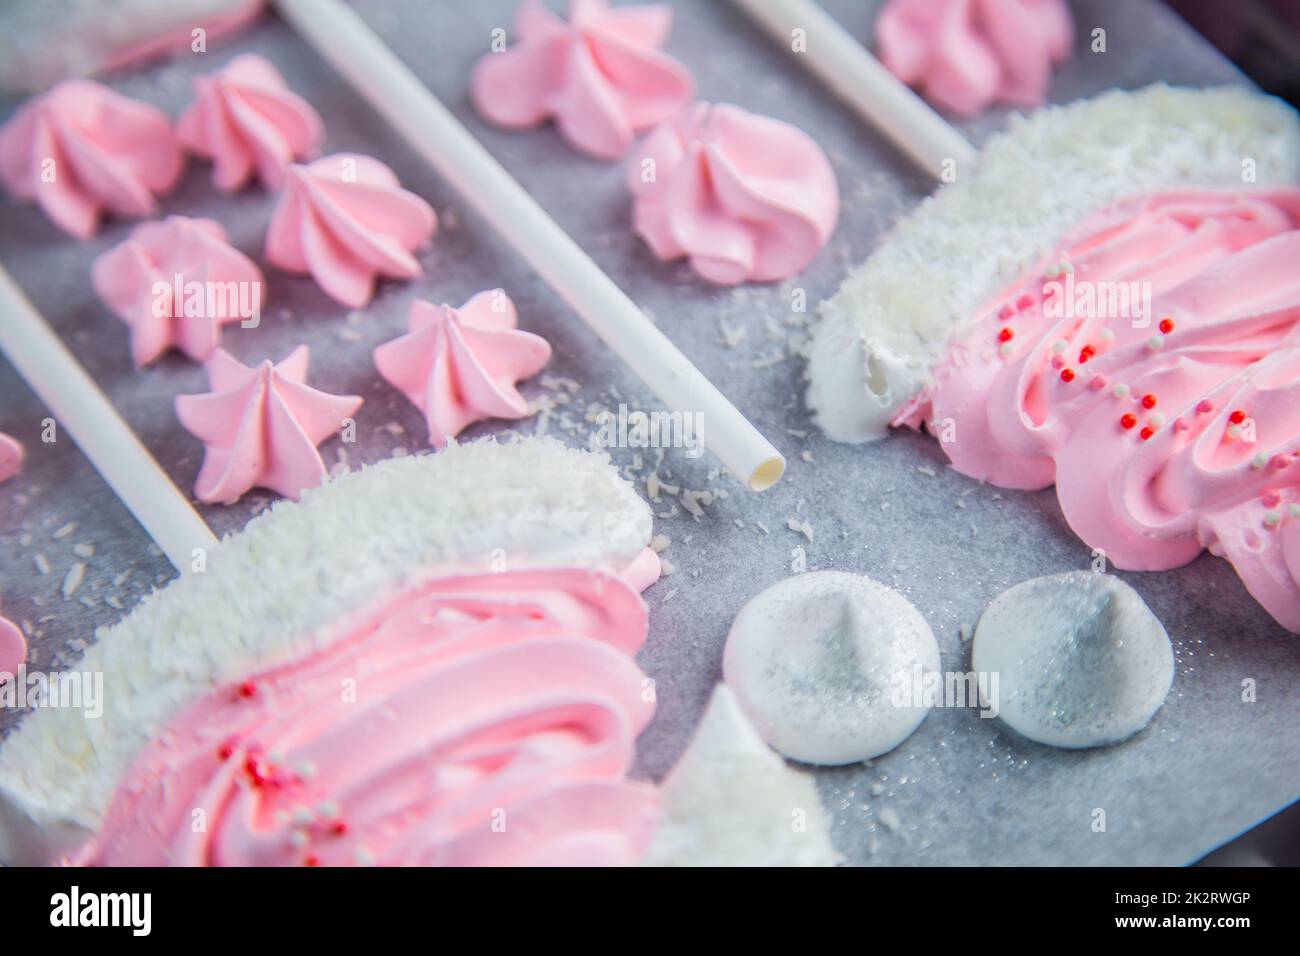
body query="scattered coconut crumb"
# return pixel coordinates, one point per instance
(889, 818)
(800, 527)
(72, 580)
(964, 632)
(927, 471)
(806, 456)
(64, 531)
(42, 563)
(660, 543)
(762, 527)
(666, 566)
(83, 550)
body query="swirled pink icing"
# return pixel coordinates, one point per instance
(601, 76)
(458, 366)
(964, 55)
(247, 120)
(13, 648)
(345, 219)
(260, 427)
(175, 283)
(1167, 414)
(81, 150)
(11, 456)
(744, 197)
(474, 719)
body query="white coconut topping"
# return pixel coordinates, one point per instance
(885, 328)
(731, 801)
(286, 583)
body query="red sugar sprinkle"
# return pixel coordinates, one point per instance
(340, 828)
(247, 689)
(226, 751)
(1166, 326)
(1006, 335)
(1128, 420)
(1146, 432)
(1148, 401)
(1067, 375)
(1086, 353)
(1237, 417)
(312, 860)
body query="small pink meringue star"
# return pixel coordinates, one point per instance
(459, 366)
(260, 427)
(11, 457)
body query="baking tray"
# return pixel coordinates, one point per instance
(962, 790)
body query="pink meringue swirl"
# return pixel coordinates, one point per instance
(246, 119)
(175, 283)
(81, 150)
(459, 366)
(260, 427)
(964, 55)
(345, 220)
(1167, 429)
(474, 719)
(600, 76)
(745, 197)
(11, 456)
(13, 649)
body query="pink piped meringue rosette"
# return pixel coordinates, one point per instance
(483, 699)
(1169, 426)
(11, 456)
(601, 76)
(175, 283)
(459, 366)
(345, 220)
(965, 55)
(13, 649)
(260, 427)
(82, 150)
(742, 197)
(248, 122)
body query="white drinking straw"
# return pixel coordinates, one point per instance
(344, 40)
(881, 98)
(81, 408)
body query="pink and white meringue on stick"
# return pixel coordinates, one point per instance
(247, 121)
(346, 220)
(458, 366)
(13, 649)
(965, 55)
(744, 197)
(175, 283)
(260, 427)
(82, 150)
(600, 76)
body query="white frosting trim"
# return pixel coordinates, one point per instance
(274, 591)
(891, 319)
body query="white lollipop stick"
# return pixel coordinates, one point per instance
(80, 407)
(860, 80)
(343, 40)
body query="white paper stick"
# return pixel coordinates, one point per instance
(343, 39)
(843, 64)
(86, 414)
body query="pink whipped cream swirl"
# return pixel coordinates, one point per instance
(458, 366)
(175, 283)
(600, 76)
(260, 426)
(1168, 426)
(346, 220)
(81, 150)
(246, 120)
(964, 55)
(491, 721)
(744, 197)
